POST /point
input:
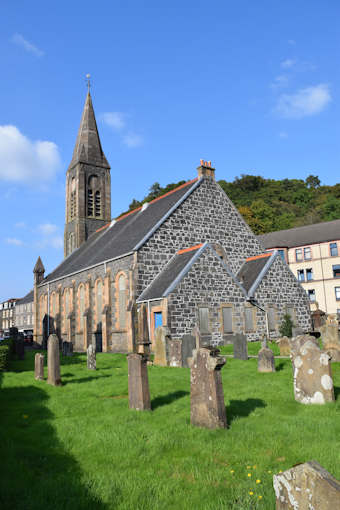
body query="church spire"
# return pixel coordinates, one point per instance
(88, 148)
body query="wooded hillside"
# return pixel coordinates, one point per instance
(268, 205)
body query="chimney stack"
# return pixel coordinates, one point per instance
(206, 170)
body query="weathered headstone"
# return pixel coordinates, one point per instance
(330, 337)
(139, 393)
(20, 347)
(207, 399)
(39, 367)
(284, 346)
(296, 331)
(162, 335)
(313, 382)
(53, 361)
(143, 325)
(306, 486)
(265, 361)
(67, 349)
(188, 346)
(175, 352)
(297, 342)
(91, 357)
(240, 346)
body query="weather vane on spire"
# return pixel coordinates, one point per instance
(88, 76)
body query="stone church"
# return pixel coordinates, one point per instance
(188, 255)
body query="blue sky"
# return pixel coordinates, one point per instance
(251, 86)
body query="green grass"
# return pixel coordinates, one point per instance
(253, 348)
(80, 447)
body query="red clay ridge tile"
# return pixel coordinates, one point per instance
(190, 249)
(262, 256)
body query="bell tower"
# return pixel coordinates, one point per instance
(88, 184)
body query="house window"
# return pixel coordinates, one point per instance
(337, 293)
(307, 253)
(336, 271)
(311, 295)
(309, 274)
(271, 318)
(249, 319)
(298, 254)
(301, 275)
(227, 319)
(204, 320)
(333, 248)
(122, 301)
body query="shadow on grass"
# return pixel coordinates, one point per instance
(336, 392)
(279, 367)
(167, 399)
(84, 379)
(242, 408)
(36, 471)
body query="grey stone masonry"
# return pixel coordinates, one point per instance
(206, 215)
(306, 486)
(207, 398)
(39, 367)
(91, 357)
(53, 361)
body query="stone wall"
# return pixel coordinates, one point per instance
(206, 215)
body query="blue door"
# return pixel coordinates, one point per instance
(158, 319)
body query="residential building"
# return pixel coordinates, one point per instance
(7, 314)
(313, 255)
(24, 316)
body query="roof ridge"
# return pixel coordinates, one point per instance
(261, 256)
(184, 250)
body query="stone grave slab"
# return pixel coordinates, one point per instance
(39, 367)
(175, 352)
(139, 394)
(188, 346)
(162, 335)
(53, 361)
(240, 346)
(91, 357)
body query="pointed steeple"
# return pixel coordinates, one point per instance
(88, 148)
(39, 266)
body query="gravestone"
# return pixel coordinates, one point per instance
(39, 367)
(313, 382)
(188, 346)
(175, 352)
(143, 325)
(207, 399)
(91, 357)
(284, 346)
(20, 347)
(139, 393)
(240, 346)
(330, 337)
(265, 361)
(67, 349)
(297, 342)
(53, 361)
(162, 335)
(306, 486)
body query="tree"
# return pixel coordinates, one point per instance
(154, 191)
(313, 182)
(286, 326)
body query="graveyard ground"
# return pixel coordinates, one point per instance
(79, 446)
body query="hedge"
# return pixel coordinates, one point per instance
(6, 352)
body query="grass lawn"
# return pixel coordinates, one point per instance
(80, 447)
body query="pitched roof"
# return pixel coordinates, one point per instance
(88, 148)
(26, 299)
(171, 275)
(125, 235)
(300, 236)
(253, 270)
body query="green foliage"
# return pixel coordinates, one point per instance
(155, 191)
(286, 326)
(4, 357)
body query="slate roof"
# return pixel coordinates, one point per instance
(26, 299)
(169, 274)
(253, 270)
(300, 236)
(126, 235)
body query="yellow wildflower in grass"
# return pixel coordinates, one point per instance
(249, 475)
(254, 467)
(25, 416)
(269, 472)
(251, 493)
(260, 497)
(280, 471)
(248, 467)
(258, 481)
(232, 471)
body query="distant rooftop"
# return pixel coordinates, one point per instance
(300, 236)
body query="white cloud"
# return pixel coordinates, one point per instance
(132, 140)
(23, 159)
(20, 224)
(48, 228)
(115, 120)
(280, 81)
(26, 45)
(14, 241)
(56, 242)
(304, 103)
(288, 63)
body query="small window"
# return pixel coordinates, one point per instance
(97, 204)
(337, 293)
(309, 274)
(271, 318)
(204, 320)
(298, 254)
(333, 248)
(336, 271)
(301, 275)
(90, 202)
(311, 295)
(227, 317)
(307, 253)
(282, 255)
(249, 319)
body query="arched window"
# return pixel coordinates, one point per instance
(66, 307)
(81, 306)
(99, 302)
(42, 311)
(73, 211)
(97, 204)
(53, 304)
(121, 289)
